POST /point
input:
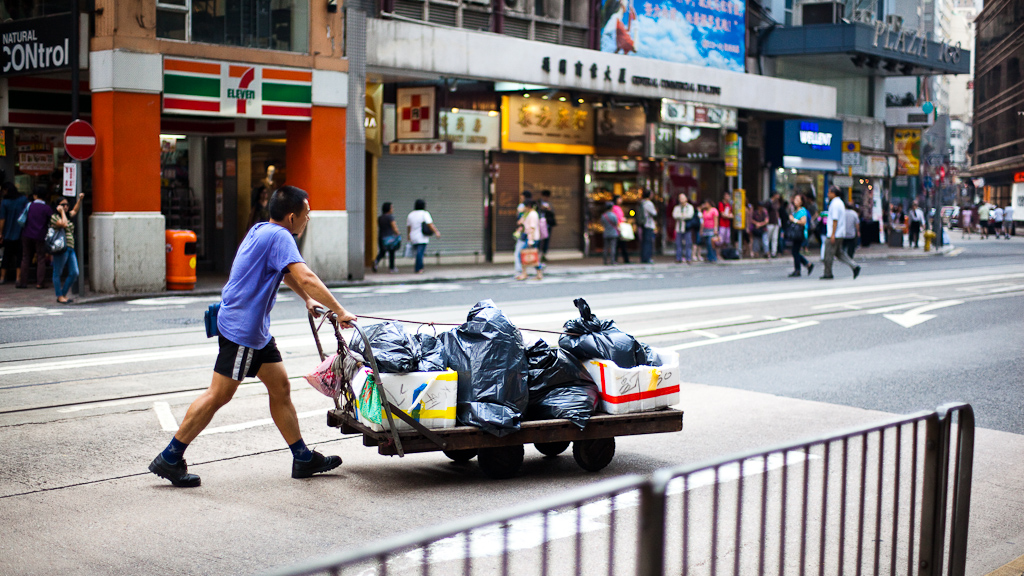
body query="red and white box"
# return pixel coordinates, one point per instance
(639, 389)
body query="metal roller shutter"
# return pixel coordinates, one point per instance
(453, 188)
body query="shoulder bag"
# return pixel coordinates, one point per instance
(55, 241)
(426, 229)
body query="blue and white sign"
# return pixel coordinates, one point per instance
(701, 32)
(811, 138)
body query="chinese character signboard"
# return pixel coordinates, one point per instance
(537, 125)
(416, 113)
(206, 88)
(907, 145)
(700, 32)
(470, 130)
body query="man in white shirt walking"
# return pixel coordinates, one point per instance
(997, 221)
(1008, 221)
(834, 233)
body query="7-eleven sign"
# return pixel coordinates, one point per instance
(416, 113)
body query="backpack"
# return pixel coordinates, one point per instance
(549, 215)
(641, 215)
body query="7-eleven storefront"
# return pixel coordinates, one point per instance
(188, 146)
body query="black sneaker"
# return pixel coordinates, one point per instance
(810, 268)
(318, 464)
(856, 272)
(176, 473)
(794, 274)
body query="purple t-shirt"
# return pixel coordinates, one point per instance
(37, 221)
(256, 274)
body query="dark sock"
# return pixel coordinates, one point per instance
(175, 451)
(300, 452)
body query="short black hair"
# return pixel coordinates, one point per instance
(386, 207)
(545, 193)
(287, 200)
(646, 193)
(529, 203)
(420, 204)
(527, 194)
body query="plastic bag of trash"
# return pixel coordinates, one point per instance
(560, 387)
(589, 337)
(487, 352)
(398, 351)
(334, 372)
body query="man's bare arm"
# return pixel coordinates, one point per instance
(311, 289)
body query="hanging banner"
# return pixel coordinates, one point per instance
(907, 145)
(210, 88)
(703, 32)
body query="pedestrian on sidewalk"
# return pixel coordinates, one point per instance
(520, 233)
(420, 227)
(851, 232)
(1008, 223)
(725, 217)
(620, 243)
(916, 217)
(759, 230)
(647, 219)
(610, 222)
(985, 227)
(548, 221)
(709, 229)
(966, 214)
(683, 214)
(64, 220)
(13, 205)
(389, 238)
(834, 234)
(259, 198)
(796, 235)
(530, 224)
(996, 218)
(774, 221)
(33, 238)
(267, 256)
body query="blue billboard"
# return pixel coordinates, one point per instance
(701, 32)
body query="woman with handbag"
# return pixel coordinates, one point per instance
(683, 214)
(389, 239)
(797, 234)
(530, 255)
(62, 221)
(626, 232)
(420, 227)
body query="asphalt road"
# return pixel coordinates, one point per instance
(765, 359)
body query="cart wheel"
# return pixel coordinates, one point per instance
(460, 456)
(593, 455)
(551, 448)
(500, 463)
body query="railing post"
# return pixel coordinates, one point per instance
(962, 486)
(651, 546)
(933, 496)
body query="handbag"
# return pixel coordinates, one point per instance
(796, 230)
(426, 229)
(529, 256)
(210, 320)
(392, 242)
(23, 218)
(55, 241)
(626, 231)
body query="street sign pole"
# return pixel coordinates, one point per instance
(74, 57)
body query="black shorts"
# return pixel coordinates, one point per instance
(237, 362)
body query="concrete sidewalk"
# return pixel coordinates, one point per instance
(212, 283)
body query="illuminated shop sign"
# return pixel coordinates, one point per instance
(813, 137)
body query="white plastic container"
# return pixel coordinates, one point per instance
(429, 397)
(639, 389)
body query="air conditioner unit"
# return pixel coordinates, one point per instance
(822, 13)
(894, 21)
(865, 16)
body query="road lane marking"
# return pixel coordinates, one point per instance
(856, 304)
(885, 309)
(163, 414)
(256, 423)
(743, 336)
(705, 334)
(528, 532)
(150, 397)
(912, 318)
(690, 326)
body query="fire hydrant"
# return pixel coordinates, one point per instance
(929, 236)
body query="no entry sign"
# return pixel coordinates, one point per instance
(80, 140)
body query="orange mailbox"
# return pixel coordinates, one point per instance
(181, 259)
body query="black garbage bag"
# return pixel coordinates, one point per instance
(398, 351)
(560, 387)
(487, 352)
(589, 337)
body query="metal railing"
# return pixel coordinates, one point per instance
(892, 498)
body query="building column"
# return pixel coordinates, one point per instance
(315, 160)
(126, 240)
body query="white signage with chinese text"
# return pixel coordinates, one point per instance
(470, 129)
(70, 179)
